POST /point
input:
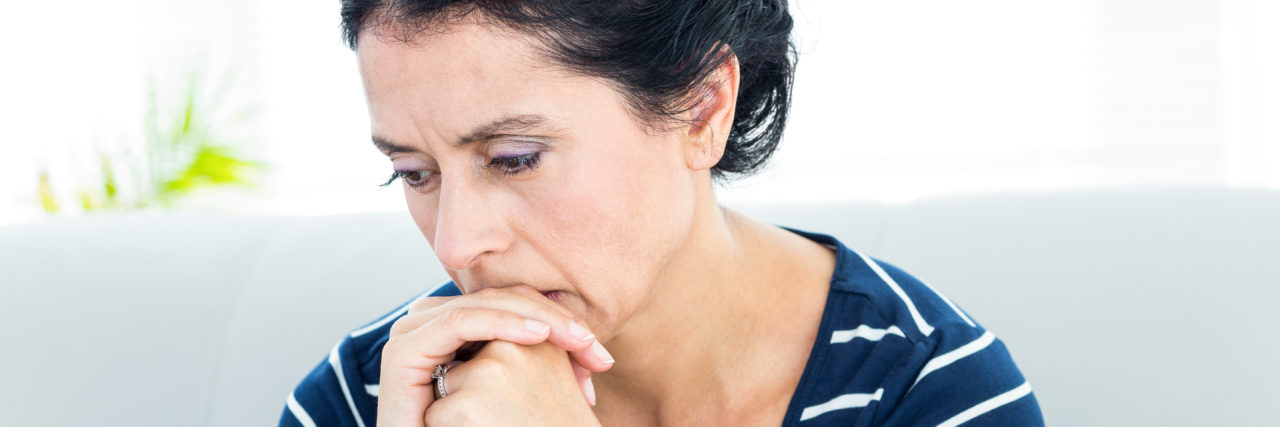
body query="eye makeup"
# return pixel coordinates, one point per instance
(515, 165)
(509, 160)
(415, 172)
(512, 157)
(415, 178)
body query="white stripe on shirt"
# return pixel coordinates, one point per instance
(844, 401)
(336, 363)
(372, 389)
(864, 331)
(301, 414)
(915, 314)
(950, 357)
(990, 404)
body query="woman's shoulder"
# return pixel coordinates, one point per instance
(906, 302)
(895, 351)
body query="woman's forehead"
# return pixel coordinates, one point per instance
(446, 86)
(469, 68)
(468, 56)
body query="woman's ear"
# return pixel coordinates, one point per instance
(711, 116)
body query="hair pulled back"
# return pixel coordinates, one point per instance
(655, 52)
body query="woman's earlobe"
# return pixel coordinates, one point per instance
(702, 149)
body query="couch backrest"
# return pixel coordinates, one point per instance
(1123, 307)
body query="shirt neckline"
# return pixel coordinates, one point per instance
(819, 351)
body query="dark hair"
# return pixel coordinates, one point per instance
(656, 52)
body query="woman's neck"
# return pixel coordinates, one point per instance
(727, 328)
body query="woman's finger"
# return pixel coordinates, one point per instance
(465, 374)
(460, 376)
(594, 358)
(584, 381)
(409, 358)
(440, 339)
(567, 332)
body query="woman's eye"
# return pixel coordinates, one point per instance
(415, 179)
(513, 165)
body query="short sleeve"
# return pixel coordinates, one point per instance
(959, 375)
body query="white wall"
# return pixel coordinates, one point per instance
(896, 101)
(893, 100)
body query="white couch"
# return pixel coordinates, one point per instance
(1123, 307)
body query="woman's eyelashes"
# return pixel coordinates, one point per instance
(415, 178)
(515, 165)
(508, 166)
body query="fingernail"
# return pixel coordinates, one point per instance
(590, 390)
(601, 353)
(580, 332)
(536, 327)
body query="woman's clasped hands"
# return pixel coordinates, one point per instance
(535, 368)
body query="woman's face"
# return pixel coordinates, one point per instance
(519, 172)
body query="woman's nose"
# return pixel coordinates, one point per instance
(469, 226)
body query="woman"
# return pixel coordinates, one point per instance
(559, 157)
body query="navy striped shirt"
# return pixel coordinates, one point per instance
(891, 351)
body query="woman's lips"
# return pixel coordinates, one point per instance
(552, 295)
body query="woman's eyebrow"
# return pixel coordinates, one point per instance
(387, 147)
(502, 126)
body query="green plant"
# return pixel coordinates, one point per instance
(183, 150)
